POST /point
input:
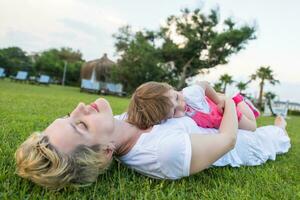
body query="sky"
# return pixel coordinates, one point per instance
(88, 25)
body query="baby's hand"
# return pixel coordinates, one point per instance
(221, 106)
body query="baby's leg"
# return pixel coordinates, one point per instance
(247, 121)
(244, 108)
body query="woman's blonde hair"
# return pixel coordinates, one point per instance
(43, 164)
(149, 105)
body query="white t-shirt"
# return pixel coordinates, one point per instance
(194, 96)
(165, 152)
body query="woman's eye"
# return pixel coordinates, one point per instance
(176, 97)
(174, 112)
(82, 125)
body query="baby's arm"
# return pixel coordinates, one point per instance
(212, 95)
(210, 92)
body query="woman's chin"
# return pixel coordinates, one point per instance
(103, 105)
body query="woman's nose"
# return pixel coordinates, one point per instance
(81, 106)
(80, 109)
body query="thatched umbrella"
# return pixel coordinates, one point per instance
(98, 69)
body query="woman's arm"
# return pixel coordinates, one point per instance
(208, 148)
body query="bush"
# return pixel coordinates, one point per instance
(294, 112)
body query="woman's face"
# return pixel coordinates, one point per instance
(87, 125)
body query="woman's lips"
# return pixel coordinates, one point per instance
(94, 105)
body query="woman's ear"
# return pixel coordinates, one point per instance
(109, 150)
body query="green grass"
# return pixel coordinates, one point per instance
(25, 108)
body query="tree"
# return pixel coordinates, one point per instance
(74, 59)
(270, 96)
(241, 86)
(202, 46)
(52, 62)
(225, 80)
(218, 86)
(13, 59)
(140, 61)
(264, 74)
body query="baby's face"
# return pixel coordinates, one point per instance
(178, 108)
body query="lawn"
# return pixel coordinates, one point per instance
(25, 108)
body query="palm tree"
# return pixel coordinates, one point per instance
(264, 74)
(241, 86)
(225, 80)
(218, 86)
(270, 96)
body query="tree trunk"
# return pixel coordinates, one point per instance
(248, 82)
(261, 94)
(270, 107)
(183, 74)
(224, 89)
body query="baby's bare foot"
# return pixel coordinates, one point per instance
(280, 122)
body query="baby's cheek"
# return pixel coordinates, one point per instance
(179, 114)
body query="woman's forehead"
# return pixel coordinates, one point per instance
(62, 135)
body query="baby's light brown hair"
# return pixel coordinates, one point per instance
(149, 105)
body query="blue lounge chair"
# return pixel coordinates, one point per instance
(115, 88)
(21, 76)
(88, 85)
(2, 74)
(111, 88)
(44, 79)
(119, 89)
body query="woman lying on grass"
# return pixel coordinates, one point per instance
(77, 148)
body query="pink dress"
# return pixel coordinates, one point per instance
(204, 111)
(208, 120)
